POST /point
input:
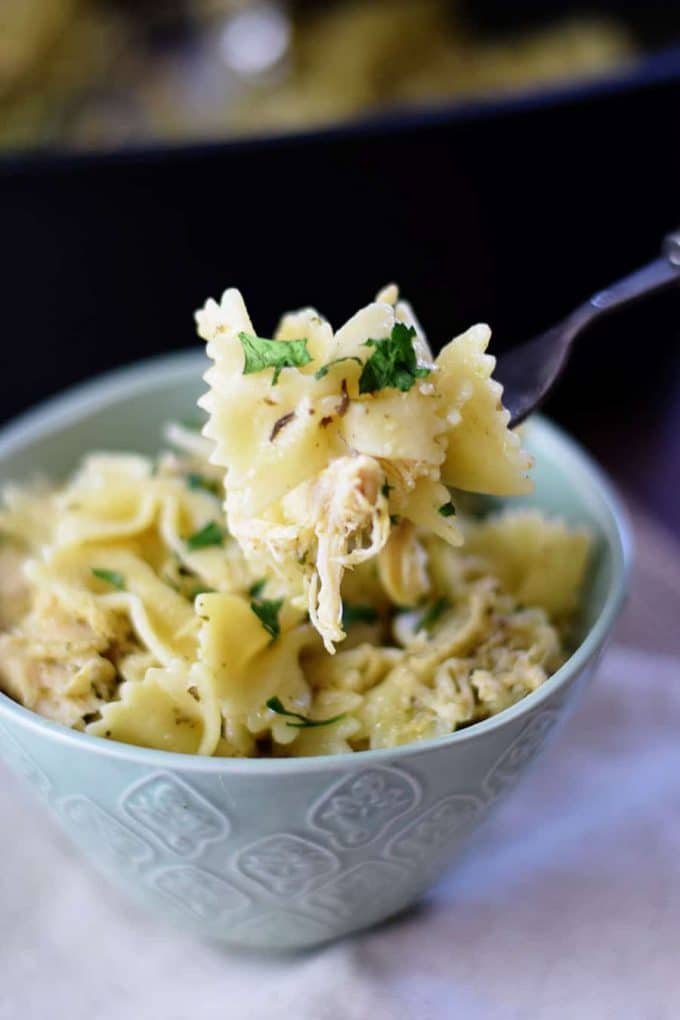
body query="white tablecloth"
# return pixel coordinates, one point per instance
(568, 905)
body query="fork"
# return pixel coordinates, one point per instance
(529, 371)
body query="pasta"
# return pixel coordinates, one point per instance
(296, 580)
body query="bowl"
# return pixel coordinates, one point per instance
(283, 854)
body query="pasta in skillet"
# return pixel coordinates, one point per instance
(297, 579)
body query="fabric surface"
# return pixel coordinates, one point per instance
(567, 904)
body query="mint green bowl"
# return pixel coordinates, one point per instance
(289, 853)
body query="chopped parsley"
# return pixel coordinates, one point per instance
(358, 614)
(447, 510)
(395, 519)
(386, 490)
(112, 577)
(393, 362)
(267, 611)
(257, 588)
(195, 480)
(303, 721)
(325, 369)
(194, 423)
(432, 614)
(209, 534)
(200, 591)
(277, 354)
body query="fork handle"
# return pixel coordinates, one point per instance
(654, 276)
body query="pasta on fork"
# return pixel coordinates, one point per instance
(339, 446)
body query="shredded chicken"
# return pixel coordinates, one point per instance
(15, 595)
(56, 664)
(351, 525)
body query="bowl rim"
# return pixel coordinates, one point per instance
(110, 388)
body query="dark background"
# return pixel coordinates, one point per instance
(509, 213)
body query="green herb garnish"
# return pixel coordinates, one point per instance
(325, 369)
(447, 509)
(277, 354)
(210, 534)
(304, 722)
(395, 519)
(393, 362)
(267, 612)
(200, 591)
(257, 588)
(431, 615)
(112, 577)
(386, 490)
(193, 423)
(358, 614)
(197, 481)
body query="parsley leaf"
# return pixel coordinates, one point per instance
(267, 612)
(200, 591)
(112, 577)
(210, 534)
(304, 721)
(193, 423)
(431, 615)
(257, 587)
(277, 354)
(358, 614)
(386, 490)
(197, 481)
(325, 369)
(447, 509)
(393, 362)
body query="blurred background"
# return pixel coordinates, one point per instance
(87, 73)
(501, 161)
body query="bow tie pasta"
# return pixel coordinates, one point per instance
(194, 602)
(339, 446)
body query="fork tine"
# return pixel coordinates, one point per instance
(529, 371)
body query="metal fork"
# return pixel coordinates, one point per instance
(529, 372)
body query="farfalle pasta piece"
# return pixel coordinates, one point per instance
(118, 496)
(248, 667)
(109, 497)
(483, 454)
(184, 513)
(541, 562)
(402, 566)
(172, 709)
(161, 618)
(268, 437)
